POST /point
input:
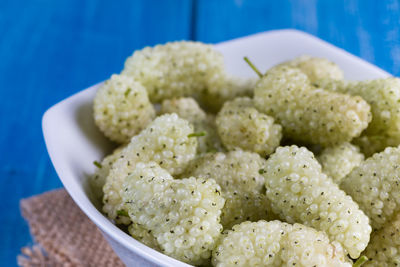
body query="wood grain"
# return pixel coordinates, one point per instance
(48, 51)
(369, 29)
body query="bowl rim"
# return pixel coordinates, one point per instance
(82, 200)
(75, 190)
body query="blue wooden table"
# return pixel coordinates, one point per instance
(52, 49)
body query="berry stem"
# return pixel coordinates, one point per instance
(253, 67)
(127, 92)
(97, 164)
(197, 134)
(122, 213)
(361, 260)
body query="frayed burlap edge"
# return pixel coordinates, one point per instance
(64, 235)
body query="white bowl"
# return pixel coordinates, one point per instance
(74, 142)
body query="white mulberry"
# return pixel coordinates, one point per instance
(340, 160)
(245, 206)
(277, 244)
(316, 68)
(211, 142)
(143, 235)
(300, 192)
(375, 186)
(166, 141)
(383, 249)
(240, 125)
(185, 107)
(98, 179)
(235, 170)
(384, 97)
(226, 87)
(122, 108)
(175, 69)
(188, 109)
(371, 144)
(239, 175)
(307, 114)
(183, 215)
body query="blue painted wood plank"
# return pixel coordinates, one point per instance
(50, 50)
(369, 29)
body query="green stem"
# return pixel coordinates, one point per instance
(127, 92)
(122, 213)
(361, 260)
(97, 164)
(197, 134)
(253, 67)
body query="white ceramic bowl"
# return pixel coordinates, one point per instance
(74, 142)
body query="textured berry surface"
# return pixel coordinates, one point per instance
(211, 142)
(122, 108)
(371, 144)
(218, 130)
(143, 235)
(164, 141)
(240, 125)
(188, 109)
(308, 114)
(316, 68)
(238, 174)
(183, 215)
(375, 186)
(384, 248)
(225, 88)
(340, 160)
(235, 170)
(300, 192)
(99, 177)
(277, 244)
(245, 206)
(175, 69)
(384, 97)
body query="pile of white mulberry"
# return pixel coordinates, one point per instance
(215, 169)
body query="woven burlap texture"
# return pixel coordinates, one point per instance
(63, 233)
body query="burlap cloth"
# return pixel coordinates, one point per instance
(63, 233)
